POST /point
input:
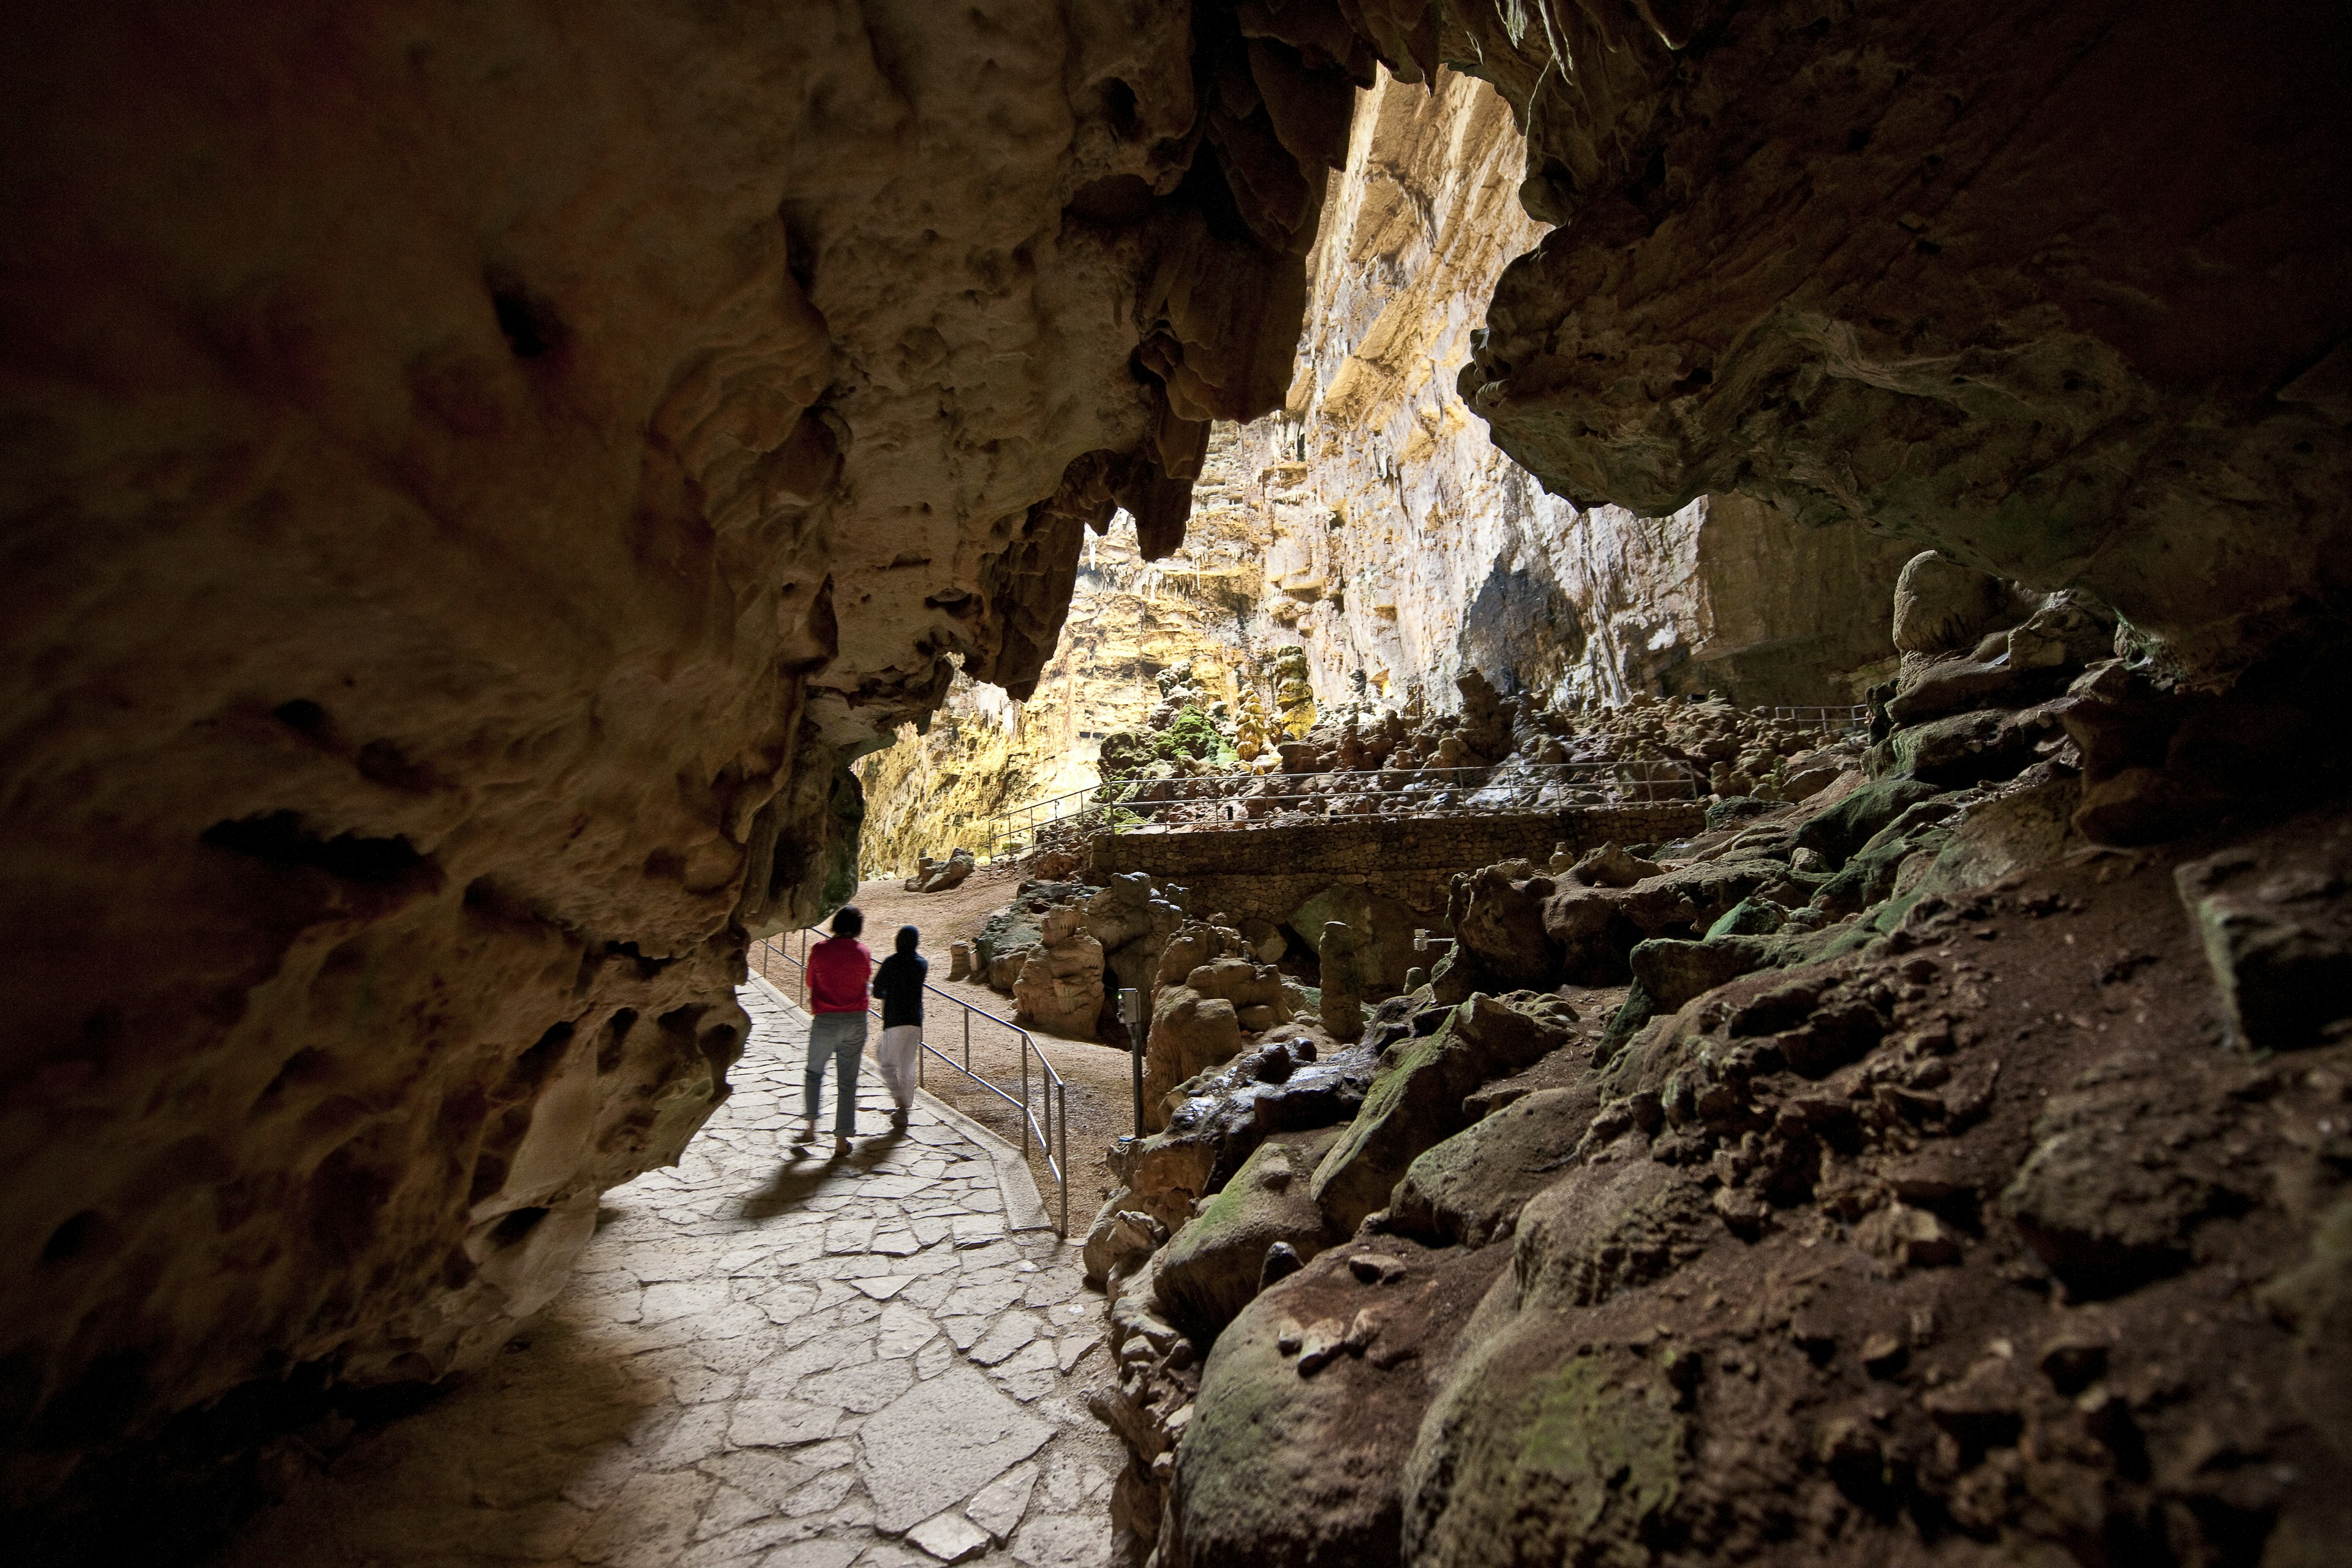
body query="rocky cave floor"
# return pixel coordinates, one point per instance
(792, 1363)
(2043, 1266)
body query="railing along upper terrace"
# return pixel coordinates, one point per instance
(1211, 799)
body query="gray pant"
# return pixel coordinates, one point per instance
(841, 1036)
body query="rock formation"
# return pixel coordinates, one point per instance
(475, 478)
(1403, 548)
(1873, 265)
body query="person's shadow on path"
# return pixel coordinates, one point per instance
(799, 1177)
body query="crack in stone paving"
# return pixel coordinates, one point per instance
(760, 1361)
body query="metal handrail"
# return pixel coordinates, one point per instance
(1052, 1133)
(1052, 805)
(1827, 717)
(1648, 776)
(1657, 778)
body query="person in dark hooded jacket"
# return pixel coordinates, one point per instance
(899, 984)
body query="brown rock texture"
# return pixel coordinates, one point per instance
(1400, 543)
(474, 476)
(2062, 294)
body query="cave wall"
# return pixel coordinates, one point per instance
(1402, 542)
(474, 476)
(2059, 291)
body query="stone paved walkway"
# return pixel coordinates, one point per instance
(762, 1362)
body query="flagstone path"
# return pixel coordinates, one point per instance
(762, 1361)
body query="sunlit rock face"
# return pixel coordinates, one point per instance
(475, 474)
(1401, 544)
(2061, 293)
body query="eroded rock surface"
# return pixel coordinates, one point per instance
(474, 478)
(1858, 313)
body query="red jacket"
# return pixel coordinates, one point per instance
(838, 968)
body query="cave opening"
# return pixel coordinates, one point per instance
(1611, 730)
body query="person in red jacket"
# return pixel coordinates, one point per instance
(838, 970)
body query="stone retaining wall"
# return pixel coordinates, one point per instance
(1269, 871)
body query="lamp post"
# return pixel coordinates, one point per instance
(1130, 1012)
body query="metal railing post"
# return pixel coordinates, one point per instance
(1025, 1097)
(967, 1039)
(1065, 1162)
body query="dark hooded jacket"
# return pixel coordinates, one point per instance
(900, 981)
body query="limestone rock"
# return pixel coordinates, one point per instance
(1940, 604)
(1416, 1101)
(1536, 1452)
(1612, 867)
(1060, 986)
(1188, 1033)
(2276, 929)
(1603, 1228)
(1341, 1002)
(1281, 1464)
(1847, 826)
(1627, 343)
(1212, 1266)
(535, 541)
(1470, 1187)
(1120, 1240)
(1498, 923)
(2103, 1219)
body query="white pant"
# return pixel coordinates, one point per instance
(895, 1054)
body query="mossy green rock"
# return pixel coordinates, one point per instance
(1471, 1187)
(1530, 1456)
(1210, 1270)
(1416, 1101)
(1853, 822)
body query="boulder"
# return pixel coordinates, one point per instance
(1948, 686)
(1189, 1033)
(2066, 631)
(1416, 1098)
(1470, 1188)
(1119, 1241)
(1211, 1267)
(1240, 983)
(1968, 748)
(959, 960)
(1672, 971)
(1603, 1228)
(1544, 1448)
(1134, 922)
(940, 878)
(2102, 1216)
(1300, 1436)
(1498, 922)
(1612, 867)
(1005, 968)
(1265, 941)
(2277, 937)
(1060, 986)
(1940, 604)
(1839, 830)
